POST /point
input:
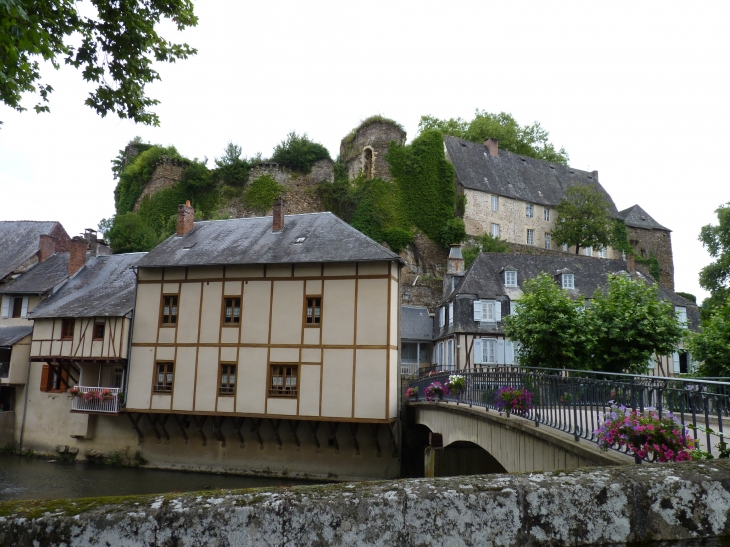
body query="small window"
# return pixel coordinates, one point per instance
(681, 313)
(487, 311)
(602, 252)
(67, 329)
(495, 230)
(99, 331)
(169, 309)
(409, 352)
(530, 237)
(589, 251)
(314, 311)
(529, 210)
(495, 203)
(565, 247)
(299, 240)
(546, 212)
(547, 241)
(17, 306)
(489, 351)
(451, 313)
(228, 379)
(283, 381)
(163, 380)
(510, 278)
(568, 281)
(442, 317)
(232, 311)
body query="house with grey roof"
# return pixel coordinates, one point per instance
(468, 330)
(416, 336)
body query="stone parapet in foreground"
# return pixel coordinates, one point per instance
(647, 504)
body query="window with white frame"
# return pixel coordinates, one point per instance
(568, 281)
(14, 306)
(495, 230)
(450, 355)
(451, 313)
(512, 307)
(530, 237)
(602, 252)
(442, 316)
(546, 212)
(487, 310)
(547, 240)
(529, 210)
(495, 203)
(588, 251)
(565, 247)
(510, 278)
(681, 313)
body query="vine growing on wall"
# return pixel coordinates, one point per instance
(137, 174)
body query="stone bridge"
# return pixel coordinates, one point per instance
(468, 440)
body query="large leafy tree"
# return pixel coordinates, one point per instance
(299, 152)
(549, 327)
(115, 48)
(528, 140)
(583, 218)
(628, 322)
(712, 346)
(715, 277)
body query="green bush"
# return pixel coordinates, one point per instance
(453, 232)
(130, 233)
(397, 238)
(137, 174)
(484, 243)
(261, 194)
(299, 153)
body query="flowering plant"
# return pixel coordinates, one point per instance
(74, 392)
(513, 400)
(106, 395)
(456, 384)
(646, 435)
(412, 392)
(434, 389)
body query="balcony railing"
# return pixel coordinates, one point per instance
(4, 370)
(96, 399)
(409, 369)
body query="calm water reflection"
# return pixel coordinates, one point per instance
(23, 478)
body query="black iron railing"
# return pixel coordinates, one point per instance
(574, 401)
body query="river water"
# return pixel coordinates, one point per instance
(35, 478)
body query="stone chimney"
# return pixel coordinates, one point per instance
(631, 263)
(455, 263)
(278, 225)
(492, 146)
(46, 247)
(77, 255)
(595, 175)
(185, 218)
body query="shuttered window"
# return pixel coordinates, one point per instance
(487, 310)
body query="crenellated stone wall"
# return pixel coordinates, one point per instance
(661, 504)
(168, 172)
(365, 150)
(659, 244)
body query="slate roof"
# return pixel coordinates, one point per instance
(638, 218)
(19, 242)
(515, 176)
(104, 287)
(416, 323)
(41, 277)
(251, 241)
(10, 335)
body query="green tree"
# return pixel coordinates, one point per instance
(627, 323)
(715, 277)
(583, 218)
(232, 169)
(528, 140)
(129, 233)
(115, 49)
(548, 326)
(484, 243)
(299, 152)
(712, 346)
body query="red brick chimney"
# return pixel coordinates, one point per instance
(278, 225)
(631, 263)
(77, 255)
(185, 218)
(493, 147)
(46, 247)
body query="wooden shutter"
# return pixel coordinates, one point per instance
(675, 358)
(24, 309)
(509, 353)
(44, 378)
(497, 311)
(500, 352)
(477, 351)
(477, 310)
(6, 305)
(451, 313)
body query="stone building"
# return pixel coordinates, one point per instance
(364, 150)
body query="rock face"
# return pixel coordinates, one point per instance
(685, 504)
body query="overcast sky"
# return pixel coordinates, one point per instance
(636, 90)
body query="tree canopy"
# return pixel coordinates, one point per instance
(715, 277)
(583, 219)
(528, 140)
(299, 152)
(712, 346)
(485, 243)
(115, 49)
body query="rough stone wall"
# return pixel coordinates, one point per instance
(300, 195)
(168, 172)
(661, 504)
(377, 137)
(659, 243)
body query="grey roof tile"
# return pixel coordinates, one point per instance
(19, 242)
(251, 241)
(41, 277)
(104, 287)
(416, 323)
(10, 335)
(638, 218)
(515, 176)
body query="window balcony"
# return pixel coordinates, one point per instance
(105, 400)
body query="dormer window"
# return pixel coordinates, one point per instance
(681, 313)
(299, 240)
(568, 281)
(510, 278)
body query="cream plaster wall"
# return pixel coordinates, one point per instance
(372, 301)
(287, 312)
(370, 383)
(255, 312)
(337, 382)
(338, 318)
(147, 313)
